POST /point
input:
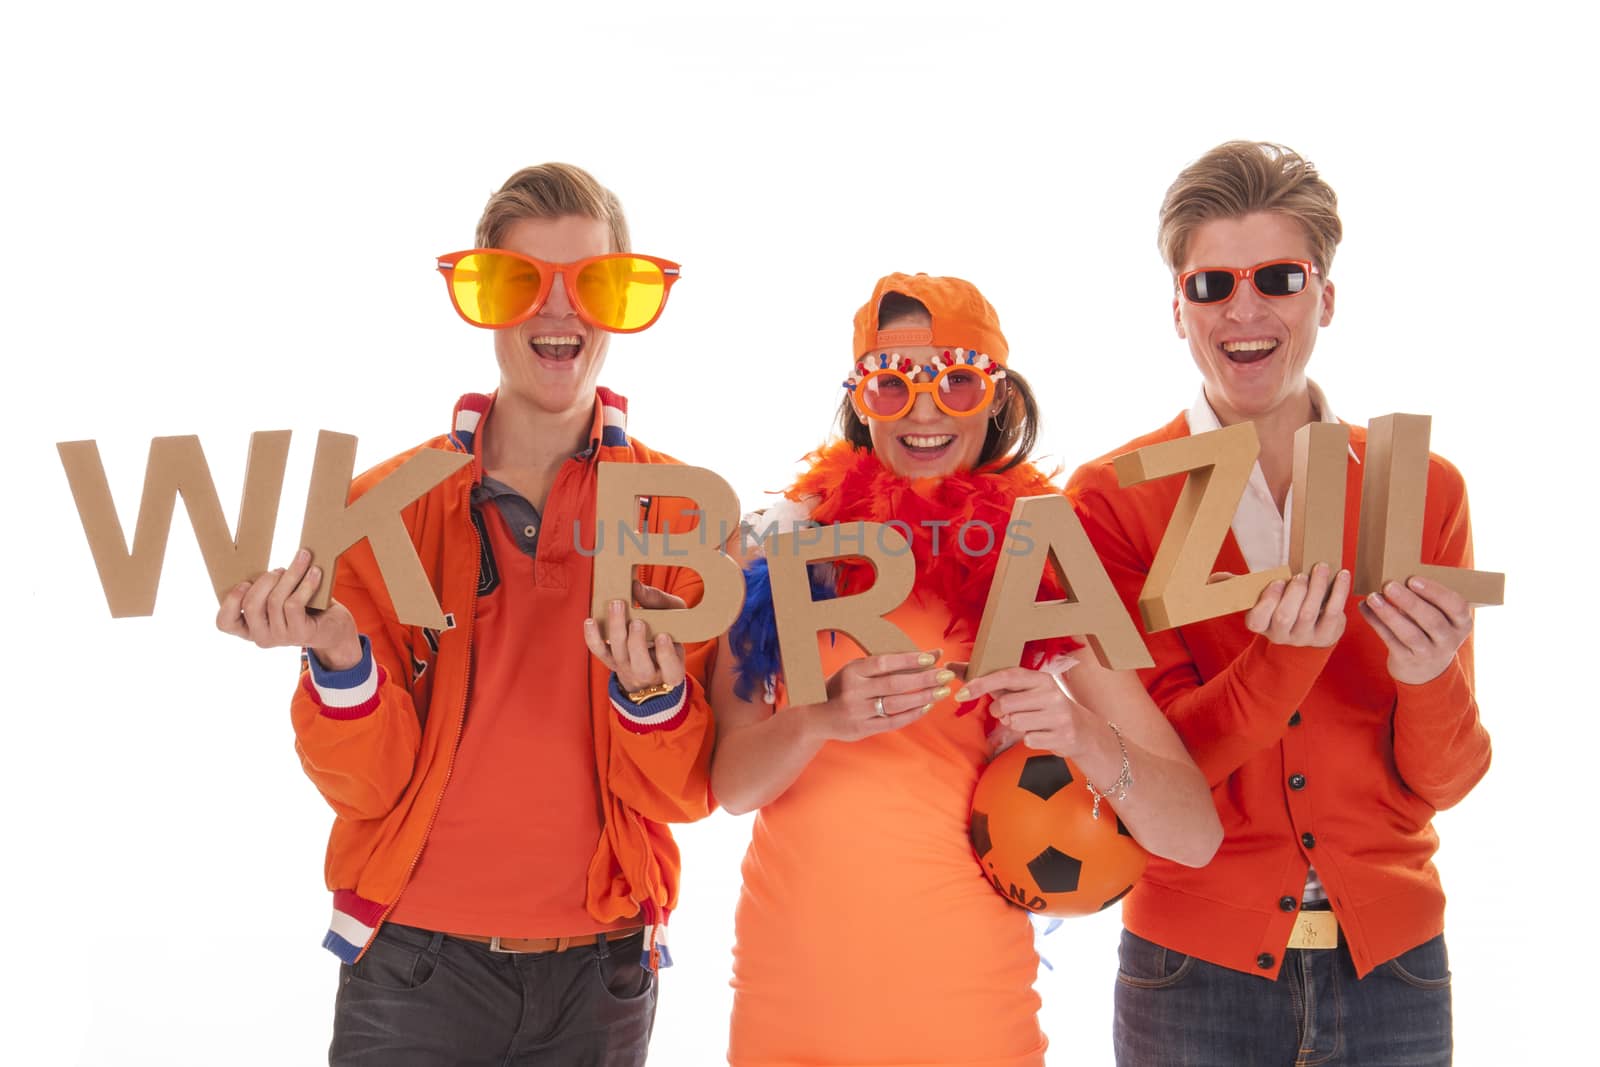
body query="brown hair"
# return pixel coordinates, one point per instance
(1242, 177)
(551, 191)
(1012, 429)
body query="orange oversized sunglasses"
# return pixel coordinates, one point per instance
(620, 292)
(885, 386)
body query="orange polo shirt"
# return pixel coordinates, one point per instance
(496, 863)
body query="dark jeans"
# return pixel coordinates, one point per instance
(1174, 1010)
(421, 999)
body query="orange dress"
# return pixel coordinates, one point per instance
(865, 931)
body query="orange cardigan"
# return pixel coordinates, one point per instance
(383, 763)
(1314, 755)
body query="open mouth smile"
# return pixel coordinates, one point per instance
(1253, 351)
(926, 446)
(558, 348)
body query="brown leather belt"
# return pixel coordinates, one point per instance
(546, 944)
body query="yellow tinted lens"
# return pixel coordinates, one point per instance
(493, 289)
(621, 292)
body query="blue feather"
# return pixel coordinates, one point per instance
(753, 638)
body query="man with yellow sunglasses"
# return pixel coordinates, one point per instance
(500, 869)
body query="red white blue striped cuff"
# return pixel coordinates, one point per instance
(355, 920)
(656, 713)
(346, 694)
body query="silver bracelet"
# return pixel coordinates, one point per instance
(1119, 787)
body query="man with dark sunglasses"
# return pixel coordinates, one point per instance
(1316, 934)
(501, 870)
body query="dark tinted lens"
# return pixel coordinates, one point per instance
(1208, 286)
(1280, 279)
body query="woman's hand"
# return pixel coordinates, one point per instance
(761, 752)
(638, 663)
(876, 694)
(1158, 792)
(1033, 707)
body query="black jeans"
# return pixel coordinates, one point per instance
(422, 999)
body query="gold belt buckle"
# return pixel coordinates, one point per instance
(1314, 929)
(529, 945)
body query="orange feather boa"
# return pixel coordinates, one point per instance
(951, 521)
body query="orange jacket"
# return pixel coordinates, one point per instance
(380, 747)
(1314, 755)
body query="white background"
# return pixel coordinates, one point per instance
(219, 219)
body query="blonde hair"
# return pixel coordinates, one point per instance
(1243, 177)
(550, 191)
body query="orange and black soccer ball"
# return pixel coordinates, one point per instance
(1037, 843)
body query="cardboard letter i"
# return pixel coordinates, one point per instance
(1316, 516)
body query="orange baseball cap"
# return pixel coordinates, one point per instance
(962, 318)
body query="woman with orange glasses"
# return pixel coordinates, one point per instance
(865, 931)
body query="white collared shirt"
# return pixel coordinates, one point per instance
(1260, 528)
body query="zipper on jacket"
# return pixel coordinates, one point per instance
(455, 745)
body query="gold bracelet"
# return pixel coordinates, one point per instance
(1124, 779)
(639, 696)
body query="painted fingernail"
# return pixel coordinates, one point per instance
(964, 694)
(927, 659)
(944, 676)
(941, 692)
(925, 709)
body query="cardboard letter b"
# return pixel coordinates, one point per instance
(618, 550)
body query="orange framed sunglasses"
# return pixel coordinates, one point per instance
(620, 292)
(1275, 278)
(885, 387)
